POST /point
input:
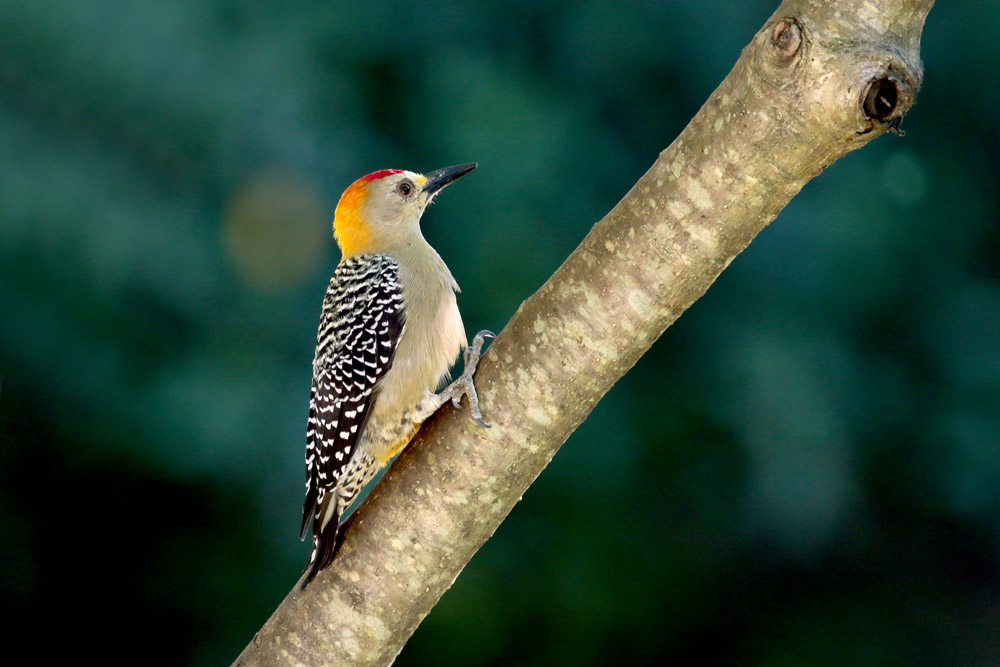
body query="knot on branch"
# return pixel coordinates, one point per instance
(786, 40)
(779, 53)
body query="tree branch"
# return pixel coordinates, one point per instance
(821, 78)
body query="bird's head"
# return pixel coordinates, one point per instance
(383, 209)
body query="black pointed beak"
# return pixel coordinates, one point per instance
(442, 177)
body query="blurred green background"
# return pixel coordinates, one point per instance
(805, 470)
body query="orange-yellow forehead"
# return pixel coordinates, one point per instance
(353, 198)
(352, 231)
(356, 193)
(350, 227)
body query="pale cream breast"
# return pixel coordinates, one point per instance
(432, 338)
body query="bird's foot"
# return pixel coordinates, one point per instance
(464, 385)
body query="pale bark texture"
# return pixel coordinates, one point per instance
(821, 78)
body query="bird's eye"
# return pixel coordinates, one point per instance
(404, 188)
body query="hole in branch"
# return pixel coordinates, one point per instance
(882, 103)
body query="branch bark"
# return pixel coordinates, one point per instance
(821, 78)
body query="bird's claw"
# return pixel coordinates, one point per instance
(471, 358)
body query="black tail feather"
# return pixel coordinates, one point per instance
(307, 513)
(325, 546)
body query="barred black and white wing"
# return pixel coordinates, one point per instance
(359, 329)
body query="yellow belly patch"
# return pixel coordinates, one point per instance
(384, 456)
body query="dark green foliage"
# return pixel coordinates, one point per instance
(805, 470)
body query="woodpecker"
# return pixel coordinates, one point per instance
(389, 331)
